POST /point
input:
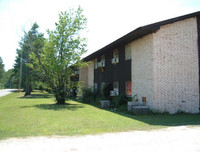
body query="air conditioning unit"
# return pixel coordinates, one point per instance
(113, 61)
(116, 91)
(112, 93)
(76, 72)
(105, 103)
(103, 63)
(117, 60)
(99, 64)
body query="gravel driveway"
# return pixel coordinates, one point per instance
(172, 139)
(6, 92)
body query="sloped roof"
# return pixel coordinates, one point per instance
(138, 33)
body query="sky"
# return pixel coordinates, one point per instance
(108, 20)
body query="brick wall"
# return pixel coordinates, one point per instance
(165, 68)
(91, 74)
(175, 66)
(86, 75)
(83, 76)
(142, 68)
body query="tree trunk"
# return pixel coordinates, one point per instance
(59, 94)
(28, 87)
(28, 90)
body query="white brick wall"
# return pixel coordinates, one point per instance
(91, 74)
(142, 68)
(83, 76)
(175, 66)
(86, 75)
(165, 68)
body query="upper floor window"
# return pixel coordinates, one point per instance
(95, 63)
(128, 52)
(115, 58)
(102, 62)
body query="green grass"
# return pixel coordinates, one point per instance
(38, 115)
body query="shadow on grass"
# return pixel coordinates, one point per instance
(160, 119)
(50, 106)
(178, 119)
(56, 107)
(37, 96)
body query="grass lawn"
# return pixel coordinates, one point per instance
(38, 115)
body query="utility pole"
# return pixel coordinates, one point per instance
(20, 73)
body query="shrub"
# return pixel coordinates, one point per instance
(88, 96)
(106, 91)
(120, 100)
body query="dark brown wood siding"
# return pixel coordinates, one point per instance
(120, 72)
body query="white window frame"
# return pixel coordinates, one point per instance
(115, 58)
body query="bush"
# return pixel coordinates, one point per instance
(106, 91)
(120, 100)
(88, 96)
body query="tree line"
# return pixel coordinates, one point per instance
(49, 63)
(7, 79)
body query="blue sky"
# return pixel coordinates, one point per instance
(108, 20)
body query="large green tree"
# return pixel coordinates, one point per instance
(62, 51)
(32, 42)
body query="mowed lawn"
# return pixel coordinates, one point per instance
(38, 115)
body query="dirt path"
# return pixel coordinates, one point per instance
(173, 139)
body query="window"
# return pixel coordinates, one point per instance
(115, 90)
(115, 58)
(103, 60)
(116, 87)
(95, 63)
(128, 88)
(128, 52)
(95, 87)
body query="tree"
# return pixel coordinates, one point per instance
(62, 51)
(10, 80)
(1, 68)
(32, 42)
(16, 70)
(2, 71)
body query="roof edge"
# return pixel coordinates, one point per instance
(140, 32)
